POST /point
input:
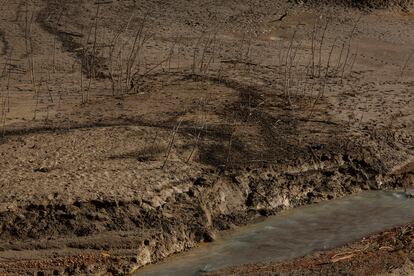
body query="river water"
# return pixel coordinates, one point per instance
(295, 233)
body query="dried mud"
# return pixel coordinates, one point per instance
(107, 186)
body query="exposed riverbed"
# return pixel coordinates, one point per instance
(295, 233)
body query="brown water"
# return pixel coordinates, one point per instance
(295, 233)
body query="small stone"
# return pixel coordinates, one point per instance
(410, 193)
(144, 256)
(209, 236)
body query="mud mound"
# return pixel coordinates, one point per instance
(362, 4)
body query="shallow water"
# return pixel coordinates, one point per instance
(295, 233)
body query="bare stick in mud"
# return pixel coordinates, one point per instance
(351, 36)
(93, 57)
(35, 89)
(230, 143)
(196, 142)
(121, 69)
(30, 52)
(154, 143)
(49, 90)
(3, 116)
(8, 79)
(139, 39)
(54, 55)
(26, 32)
(291, 65)
(211, 58)
(339, 59)
(146, 73)
(171, 144)
(85, 56)
(288, 63)
(171, 52)
(195, 55)
(228, 158)
(112, 48)
(407, 61)
(323, 86)
(6, 102)
(313, 48)
(81, 82)
(54, 44)
(321, 46)
(210, 40)
(353, 61)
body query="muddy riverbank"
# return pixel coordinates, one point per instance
(387, 253)
(294, 234)
(115, 154)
